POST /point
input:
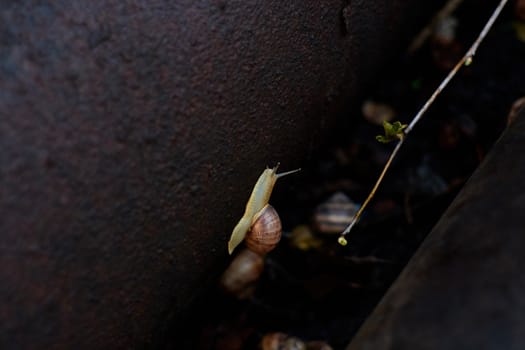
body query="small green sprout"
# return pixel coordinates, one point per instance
(393, 132)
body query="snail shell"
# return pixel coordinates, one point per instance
(334, 215)
(265, 231)
(242, 274)
(281, 341)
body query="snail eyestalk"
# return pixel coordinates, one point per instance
(287, 173)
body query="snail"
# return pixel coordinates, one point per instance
(333, 215)
(240, 277)
(261, 228)
(259, 217)
(283, 341)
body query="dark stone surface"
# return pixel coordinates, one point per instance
(464, 287)
(131, 133)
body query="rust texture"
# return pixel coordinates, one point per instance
(464, 287)
(131, 133)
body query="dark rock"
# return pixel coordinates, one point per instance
(131, 135)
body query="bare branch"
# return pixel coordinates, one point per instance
(465, 60)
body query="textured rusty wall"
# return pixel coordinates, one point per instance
(131, 133)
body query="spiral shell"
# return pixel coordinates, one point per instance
(240, 278)
(265, 231)
(332, 216)
(281, 341)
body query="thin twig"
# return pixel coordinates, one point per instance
(465, 60)
(372, 193)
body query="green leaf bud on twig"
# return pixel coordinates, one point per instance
(393, 131)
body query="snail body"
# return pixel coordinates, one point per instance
(258, 200)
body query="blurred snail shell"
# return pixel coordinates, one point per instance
(265, 231)
(240, 277)
(281, 341)
(335, 214)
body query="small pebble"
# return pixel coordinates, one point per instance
(377, 113)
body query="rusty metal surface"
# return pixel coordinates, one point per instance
(131, 133)
(464, 287)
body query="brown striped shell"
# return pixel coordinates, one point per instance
(334, 215)
(265, 231)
